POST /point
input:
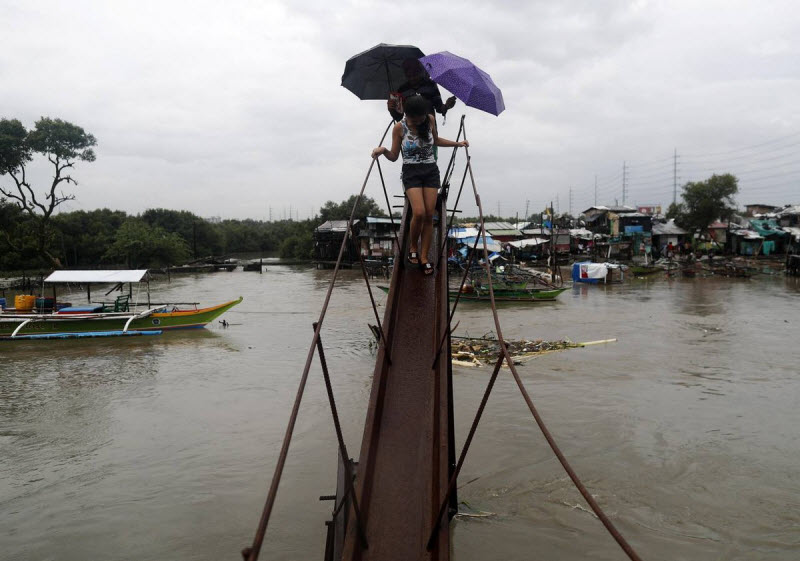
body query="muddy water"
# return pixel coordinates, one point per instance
(686, 429)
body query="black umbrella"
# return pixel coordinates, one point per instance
(378, 71)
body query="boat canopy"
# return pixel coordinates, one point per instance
(134, 275)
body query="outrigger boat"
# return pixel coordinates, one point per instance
(503, 295)
(121, 318)
(509, 295)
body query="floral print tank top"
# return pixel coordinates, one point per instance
(414, 149)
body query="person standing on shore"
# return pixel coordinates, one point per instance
(415, 136)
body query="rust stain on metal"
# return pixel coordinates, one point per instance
(404, 465)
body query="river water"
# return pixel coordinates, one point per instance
(686, 430)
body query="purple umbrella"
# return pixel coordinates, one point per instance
(466, 81)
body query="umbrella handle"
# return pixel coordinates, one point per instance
(388, 76)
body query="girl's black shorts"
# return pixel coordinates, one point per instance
(420, 175)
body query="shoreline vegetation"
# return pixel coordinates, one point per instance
(157, 237)
(34, 236)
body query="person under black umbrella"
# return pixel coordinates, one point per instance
(415, 136)
(418, 83)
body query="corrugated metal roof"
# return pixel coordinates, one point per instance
(794, 232)
(616, 209)
(498, 226)
(581, 233)
(462, 232)
(748, 234)
(528, 242)
(334, 226)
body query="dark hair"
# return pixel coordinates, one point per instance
(417, 106)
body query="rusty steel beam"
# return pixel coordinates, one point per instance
(406, 452)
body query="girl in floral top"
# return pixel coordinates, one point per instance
(415, 136)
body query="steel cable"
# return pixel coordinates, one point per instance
(539, 421)
(251, 553)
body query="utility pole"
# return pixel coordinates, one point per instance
(624, 183)
(570, 201)
(675, 177)
(552, 244)
(527, 205)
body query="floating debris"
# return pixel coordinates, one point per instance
(467, 351)
(477, 351)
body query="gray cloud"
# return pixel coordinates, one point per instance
(228, 110)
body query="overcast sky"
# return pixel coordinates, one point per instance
(232, 108)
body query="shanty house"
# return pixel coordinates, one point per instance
(789, 216)
(606, 220)
(775, 239)
(328, 238)
(666, 233)
(718, 233)
(752, 210)
(502, 231)
(746, 242)
(377, 237)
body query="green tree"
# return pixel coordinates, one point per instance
(63, 144)
(706, 201)
(139, 244)
(366, 207)
(17, 247)
(85, 235)
(675, 210)
(202, 237)
(297, 246)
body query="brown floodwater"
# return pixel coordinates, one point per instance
(686, 430)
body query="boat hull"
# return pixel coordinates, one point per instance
(502, 295)
(97, 323)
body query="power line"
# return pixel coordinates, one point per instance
(744, 148)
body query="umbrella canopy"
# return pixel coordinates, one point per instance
(378, 71)
(466, 81)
